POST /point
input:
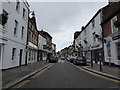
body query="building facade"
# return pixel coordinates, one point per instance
(32, 46)
(13, 33)
(89, 40)
(53, 49)
(111, 32)
(42, 53)
(48, 47)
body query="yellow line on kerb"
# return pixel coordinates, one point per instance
(36, 75)
(97, 74)
(22, 84)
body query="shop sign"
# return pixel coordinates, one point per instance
(116, 37)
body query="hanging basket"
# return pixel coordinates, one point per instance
(4, 19)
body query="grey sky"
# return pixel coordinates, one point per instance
(62, 19)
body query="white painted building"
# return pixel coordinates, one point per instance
(90, 38)
(42, 54)
(112, 45)
(53, 49)
(14, 33)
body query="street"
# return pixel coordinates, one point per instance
(65, 75)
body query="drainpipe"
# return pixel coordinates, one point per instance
(27, 39)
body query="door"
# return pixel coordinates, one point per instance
(20, 59)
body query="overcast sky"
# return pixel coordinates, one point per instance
(62, 19)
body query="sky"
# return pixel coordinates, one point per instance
(62, 19)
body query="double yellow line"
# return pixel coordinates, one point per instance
(97, 74)
(34, 76)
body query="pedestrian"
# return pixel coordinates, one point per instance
(47, 59)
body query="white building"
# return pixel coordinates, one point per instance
(42, 54)
(53, 49)
(14, 33)
(90, 38)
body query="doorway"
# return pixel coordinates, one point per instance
(20, 59)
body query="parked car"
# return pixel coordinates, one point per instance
(53, 59)
(62, 58)
(80, 60)
(72, 58)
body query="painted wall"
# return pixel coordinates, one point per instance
(12, 40)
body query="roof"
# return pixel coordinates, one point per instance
(44, 34)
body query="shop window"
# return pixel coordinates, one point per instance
(118, 50)
(108, 49)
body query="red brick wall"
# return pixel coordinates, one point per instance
(107, 29)
(108, 12)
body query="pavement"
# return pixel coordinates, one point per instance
(15, 75)
(107, 71)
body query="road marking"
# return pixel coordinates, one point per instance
(96, 74)
(39, 73)
(22, 84)
(100, 75)
(34, 76)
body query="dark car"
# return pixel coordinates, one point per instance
(53, 59)
(80, 61)
(71, 59)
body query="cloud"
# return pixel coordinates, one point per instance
(61, 20)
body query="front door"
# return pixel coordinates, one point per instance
(20, 59)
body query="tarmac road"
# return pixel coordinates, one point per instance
(65, 75)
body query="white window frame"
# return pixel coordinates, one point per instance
(114, 29)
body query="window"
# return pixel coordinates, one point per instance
(108, 49)
(118, 50)
(22, 32)
(17, 5)
(15, 28)
(0, 52)
(23, 13)
(113, 20)
(93, 23)
(13, 53)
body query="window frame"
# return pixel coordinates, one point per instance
(13, 53)
(114, 29)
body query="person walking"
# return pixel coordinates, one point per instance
(47, 59)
